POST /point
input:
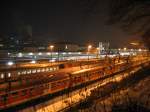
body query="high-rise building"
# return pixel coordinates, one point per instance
(104, 47)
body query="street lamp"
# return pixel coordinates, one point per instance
(51, 48)
(89, 47)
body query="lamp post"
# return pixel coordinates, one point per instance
(89, 47)
(51, 48)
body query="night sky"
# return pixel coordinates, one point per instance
(79, 21)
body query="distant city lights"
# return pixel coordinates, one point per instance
(30, 53)
(90, 46)
(53, 60)
(48, 53)
(33, 62)
(9, 74)
(39, 53)
(2, 75)
(10, 63)
(125, 49)
(20, 55)
(140, 50)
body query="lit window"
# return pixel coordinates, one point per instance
(9, 74)
(43, 70)
(38, 70)
(46, 69)
(33, 71)
(19, 73)
(24, 72)
(51, 69)
(48, 53)
(57, 68)
(29, 71)
(2, 76)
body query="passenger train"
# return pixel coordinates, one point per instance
(14, 93)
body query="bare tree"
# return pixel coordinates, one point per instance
(133, 16)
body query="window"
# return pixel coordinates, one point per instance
(14, 94)
(38, 70)
(24, 92)
(57, 68)
(24, 72)
(29, 71)
(9, 74)
(2, 75)
(34, 71)
(3, 98)
(51, 69)
(46, 69)
(19, 73)
(43, 70)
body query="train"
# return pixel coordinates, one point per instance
(12, 73)
(12, 94)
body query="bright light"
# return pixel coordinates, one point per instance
(9, 74)
(10, 63)
(125, 53)
(66, 47)
(63, 53)
(39, 53)
(97, 48)
(2, 75)
(140, 50)
(31, 53)
(33, 62)
(119, 49)
(89, 47)
(19, 54)
(51, 46)
(48, 53)
(125, 48)
(79, 52)
(69, 53)
(134, 43)
(52, 60)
